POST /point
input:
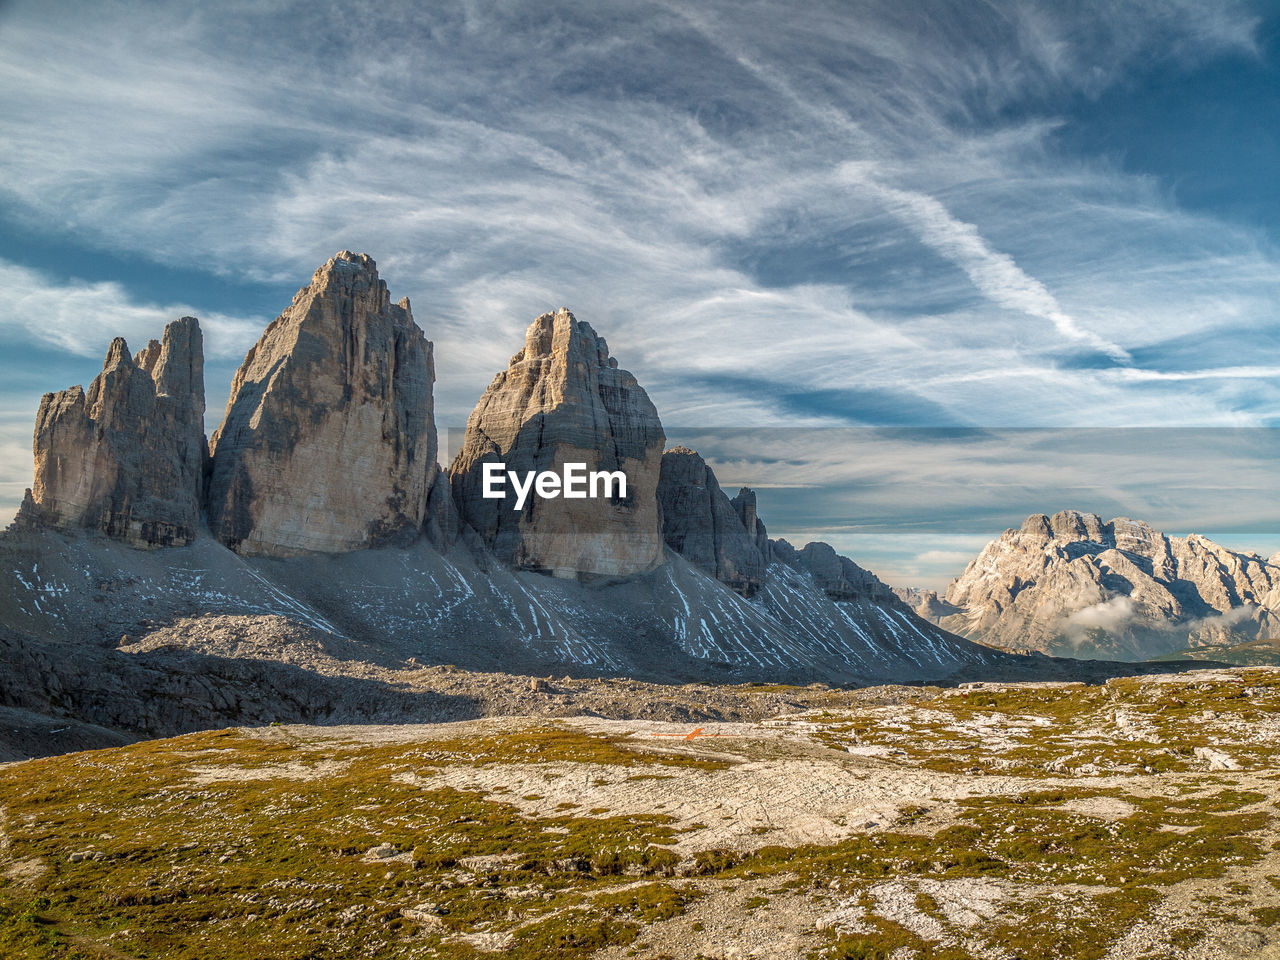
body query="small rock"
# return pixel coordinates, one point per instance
(384, 853)
(424, 914)
(1216, 759)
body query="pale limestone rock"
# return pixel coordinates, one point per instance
(563, 400)
(704, 526)
(127, 458)
(1074, 584)
(1216, 759)
(925, 603)
(329, 440)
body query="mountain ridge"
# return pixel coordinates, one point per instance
(326, 508)
(1072, 583)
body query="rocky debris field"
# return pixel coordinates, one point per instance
(1135, 819)
(212, 671)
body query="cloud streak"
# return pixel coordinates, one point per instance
(994, 273)
(82, 318)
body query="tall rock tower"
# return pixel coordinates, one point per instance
(127, 458)
(562, 399)
(329, 439)
(704, 526)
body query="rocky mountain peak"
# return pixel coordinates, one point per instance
(1074, 584)
(1038, 525)
(127, 457)
(563, 399)
(745, 504)
(338, 386)
(1071, 526)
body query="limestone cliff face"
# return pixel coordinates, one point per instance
(1073, 584)
(127, 457)
(707, 528)
(329, 439)
(561, 400)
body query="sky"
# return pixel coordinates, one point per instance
(889, 263)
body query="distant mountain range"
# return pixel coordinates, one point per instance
(319, 499)
(1075, 585)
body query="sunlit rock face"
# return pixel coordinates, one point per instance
(329, 439)
(1074, 584)
(562, 400)
(127, 457)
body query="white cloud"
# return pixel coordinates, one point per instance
(82, 318)
(994, 273)
(1110, 616)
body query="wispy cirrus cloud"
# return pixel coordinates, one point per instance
(81, 318)
(995, 274)
(865, 213)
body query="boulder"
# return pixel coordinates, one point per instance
(127, 457)
(563, 399)
(329, 440)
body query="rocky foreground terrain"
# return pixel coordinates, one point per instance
(1078, 586)
(1139, 818)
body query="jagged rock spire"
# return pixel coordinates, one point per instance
(127, 458)
(329, 439)
(704, 526)
(561, 400)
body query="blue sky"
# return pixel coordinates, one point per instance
(819, 215)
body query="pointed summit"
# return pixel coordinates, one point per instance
(329, 439)
(127, 458)
(561, 400)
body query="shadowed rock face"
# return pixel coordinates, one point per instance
(127, 458)
(1074, 584)
(329, 440)
(838, 576)
(745, 504)
(561, 400)
(704, 526)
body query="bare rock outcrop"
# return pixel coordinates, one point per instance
(705, 527)
(442, 526)
(838, 576)
(563, 400)
(1073, 584)
(925, 603)
(745, 505)
(127, 457)
(329, 439)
